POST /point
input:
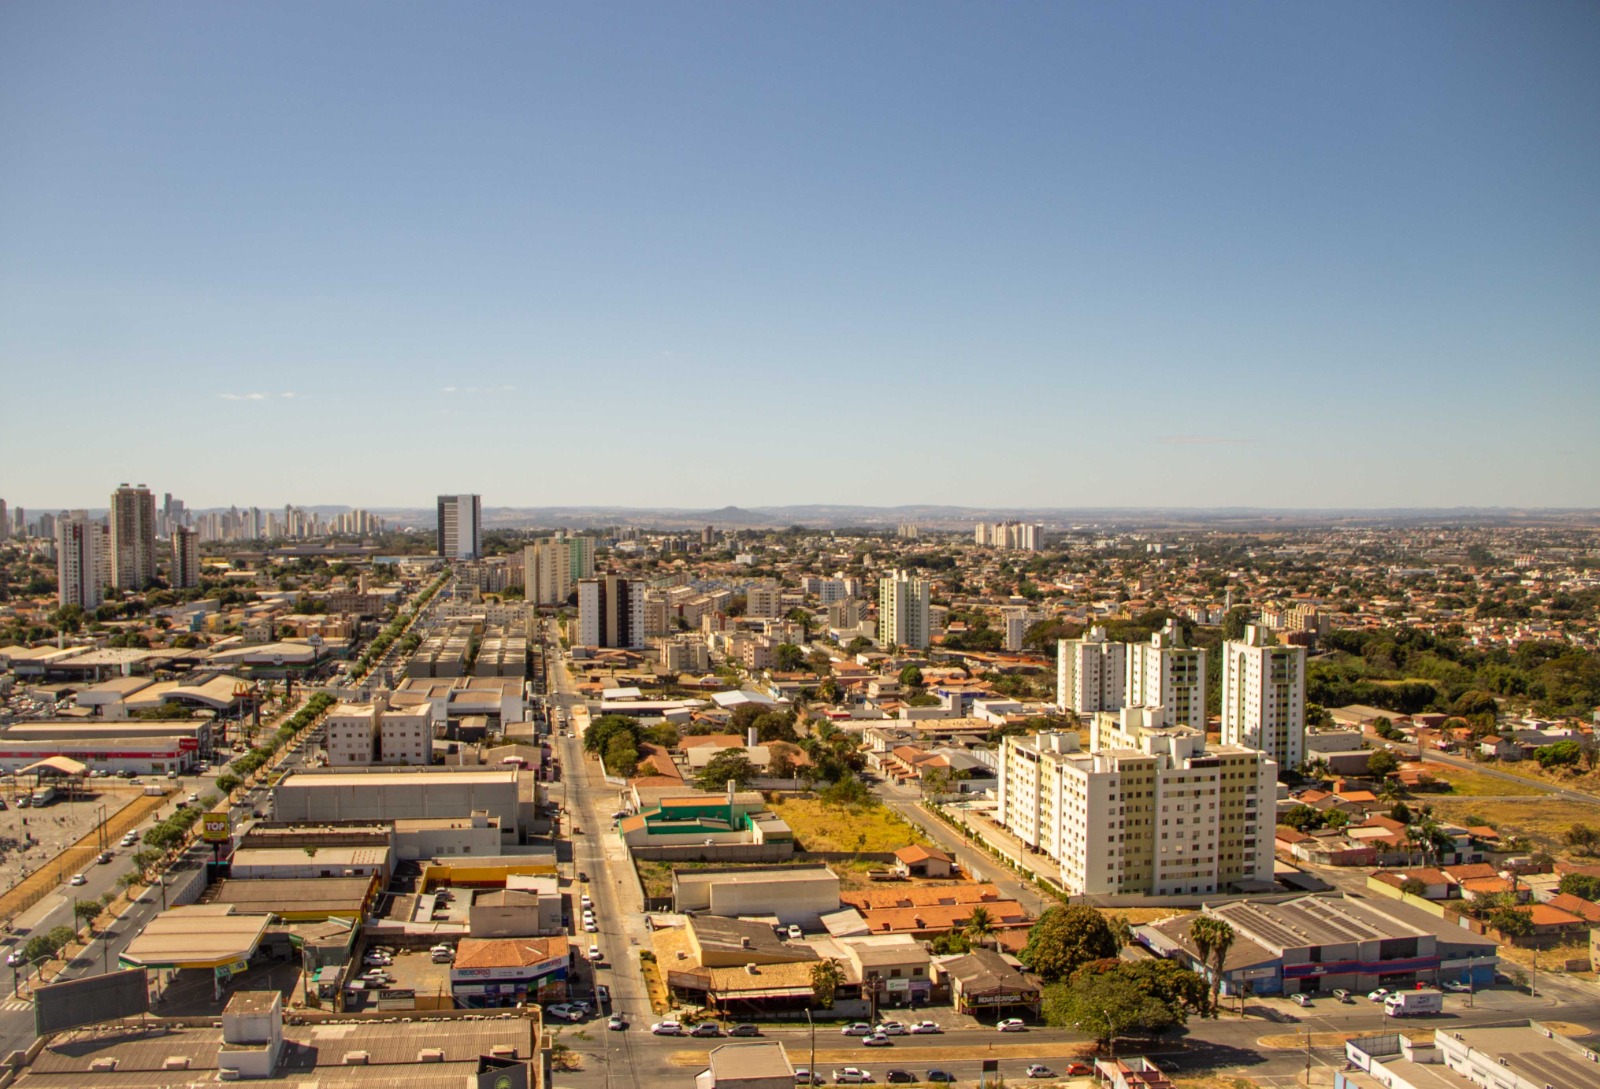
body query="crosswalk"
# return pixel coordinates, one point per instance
(16, 1004)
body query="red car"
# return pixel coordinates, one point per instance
(1079, 1070)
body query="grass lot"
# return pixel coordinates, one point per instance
(1140, 916)
(1212, 1081)
(1465, 783)
(1544, 820)
(819, 827)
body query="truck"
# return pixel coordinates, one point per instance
(1411, 1003)
(44, 795)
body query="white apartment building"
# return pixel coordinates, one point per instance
(1010, 536)
(405, 736)
(610, 612)
(829, 591)
(903, 618)
(365, 734)
(83, 562)
(1091, 673)
(763, 601)
(1016, 622)
(460, 527)
(685, 654)
(1168, 672)
(350, 736)
(1160, 816)
(546, 572)
(132, 521)
(1264, 697)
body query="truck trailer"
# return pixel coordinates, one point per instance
(1411, 1003)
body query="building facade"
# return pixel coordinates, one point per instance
(133, 537)
(185, 558)
(1091, 673)
(1166, 817)
(460, 526)
(764, 601)
(1264, 697)
(610, 612)
(903, 616)
(1168, 672)
(82, 560)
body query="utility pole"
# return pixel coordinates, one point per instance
(1308, 1054)
(813, 1067)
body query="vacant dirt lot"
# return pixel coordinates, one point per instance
(819, 827)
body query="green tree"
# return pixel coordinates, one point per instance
(622, 755)
(1513, 922)
(1302, 818)
(1108, 1004)
(950, 942)
(1581, 885)
(1065, 937)
(826, 977)
(226, 782)
(597, 738)
(86, 911)
(1335, 818)
(1381, 763)
(979, 927)
(1582, 838)
(789, 658)
(1233, 624)
(728, 764)
(911, 677)
(1400, 812)
(1563, 754)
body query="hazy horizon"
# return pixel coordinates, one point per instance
(1025, 256)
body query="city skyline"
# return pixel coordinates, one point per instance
(1237, 255)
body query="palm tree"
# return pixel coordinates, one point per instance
(826, 975)
(980, 926)
(1203, 932)
(1122, 930)
(1221, 941)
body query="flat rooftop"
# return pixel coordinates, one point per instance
(1533, 1056)
(269, 894)
(197, 935)
(392, 777)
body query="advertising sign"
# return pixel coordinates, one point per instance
(216, 827)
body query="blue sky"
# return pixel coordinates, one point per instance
(707, 253)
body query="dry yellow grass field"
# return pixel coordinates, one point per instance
(819, 827)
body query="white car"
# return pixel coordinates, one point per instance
(1456, 986)
(921, 1027)
(1039, 1070)
(1012, 1024)
(594, 951)
(565, 1012)
(852, 1075)
(591, 926)
(667, 1028)
(795, 933)
(78, 879)
(1379, 995)
(877, 1039)
(856, 1028)
(891, 1028)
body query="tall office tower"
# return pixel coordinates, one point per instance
(1091, 673)
(460, 527)
(1169, 672)
(903, 611)
(133, 537)
(80, 560)
(185, 558)
(47, 529)
(1264, 697)
(1158, 814)
(19, 522)
(547, 571)
(763, 601)
(580, 557)
(610, 612)
(5, 524)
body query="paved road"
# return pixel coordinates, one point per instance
(1495, 773)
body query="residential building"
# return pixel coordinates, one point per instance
(133, 537)
(1016, 622)
(685, 654)
(1168, 672)
(610, 612)
(764, 601)
(82, 560)
(1157, 815)
(903, 611)
(1091, 673)
(551, 567)
(185, 558)
(460, 527)
(1264, 697)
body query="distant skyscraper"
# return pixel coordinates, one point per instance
(185, 558)
(460, 527)
(5, 522)
(1091, 673)
(133, 537)
(80, 560)
(610, 612)
(1264, 697)
(903, 611)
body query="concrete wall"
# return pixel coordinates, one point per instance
(300, 799)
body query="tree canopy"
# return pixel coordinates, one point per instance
(1064, 938)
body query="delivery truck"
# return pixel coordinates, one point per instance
(1411, 1003)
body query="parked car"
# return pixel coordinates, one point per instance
(856, 1028)
(706, 1028)
(1039, 1070)
(667, 1028)
(565, 1012)
(891, 1028)
(616, 1023)
(1343, 995)
(852, 1075)
(590, 926)
(1300, 999)
(900, 1077)
(582, 1004)
(1456, 986)
(1078, 1070)
(744, 1030)
(602, 993)
(803, 1076)
(942, 1077)
(14, 959)
(795, 933)
(1379, 995)
(1012, 1024)
(920, 1027)
(877, 1039)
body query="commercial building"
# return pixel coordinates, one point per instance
(610, 612)
(759, 1064)
(133, 537)
(1323, 943)
(460, 527)
(1525, 1056)
(1264, 697)
(1091, 673)
(489, 973)
(792, 894)
(1158, 814)
(903, 616)
(1169, 673)
(83, 560)
(315, 796)
(185, 558)
(984, 982)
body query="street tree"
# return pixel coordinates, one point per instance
(1065, 937)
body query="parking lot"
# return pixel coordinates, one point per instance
(30, 838)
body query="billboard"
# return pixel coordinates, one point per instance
(216, 827)
(61, 1006)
